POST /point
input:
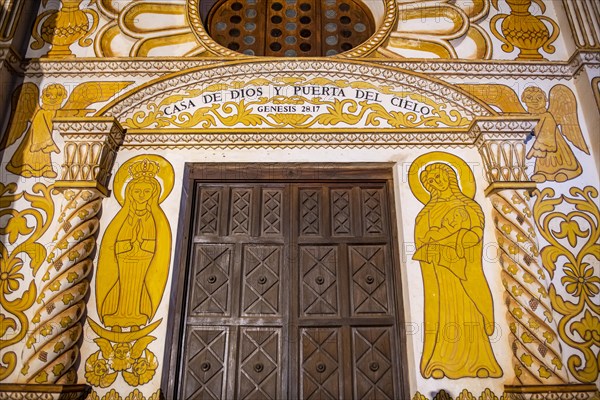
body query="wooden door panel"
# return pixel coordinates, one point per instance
(319, 275)
(372, 211)
(209, 211)
(241, 211)
(320, 370)
(372, 363)
(212, 279)
(290, 292)
(206, 364)
(272, 212)
(310, 212)
(259, 371)
(369, 280)
(341, 212)
(261, 280)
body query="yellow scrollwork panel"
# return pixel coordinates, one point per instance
(459, 312)
(14, 255)
(445, 29)
(574, 247)
(133, 268)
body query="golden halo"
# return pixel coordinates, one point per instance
(165, 176)
(466, 179)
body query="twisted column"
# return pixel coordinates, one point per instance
(534, 341)
(537, 356)
(52, 349)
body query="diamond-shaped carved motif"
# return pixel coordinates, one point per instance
(205, 376)
(309, 212)
(320, 374)
(369, 290)
(372, 363)
(319, 280)
(210, 201)
(262, 268)
(340, 212)
(241, 204)
(372, 213)
(271, 211)
(259, 371)
(211, 279)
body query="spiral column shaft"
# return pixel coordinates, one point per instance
(52, 348)
(534, 341)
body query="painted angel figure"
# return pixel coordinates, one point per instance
(34, 121)
(555, 160)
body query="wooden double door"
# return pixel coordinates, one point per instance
(292, 291)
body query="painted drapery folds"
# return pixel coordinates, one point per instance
(133, 268)
(458, 303)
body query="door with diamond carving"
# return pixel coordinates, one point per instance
(291, 287)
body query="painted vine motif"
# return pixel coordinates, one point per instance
(132, 273)
(348, 112)
(14, 256)
(574, 247)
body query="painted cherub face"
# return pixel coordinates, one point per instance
(534, 98)
(141, 192)
(53, 96)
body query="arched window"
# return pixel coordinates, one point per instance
(290, 28)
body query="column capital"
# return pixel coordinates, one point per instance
(91, 146)
(502, 144)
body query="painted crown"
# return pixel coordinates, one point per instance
(144, 169)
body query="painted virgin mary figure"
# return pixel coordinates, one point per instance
(459, 314)
(135, 253)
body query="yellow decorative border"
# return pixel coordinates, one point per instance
(366, 48)
(266, 66)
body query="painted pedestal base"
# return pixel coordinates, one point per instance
(43, 392)
(551, 392)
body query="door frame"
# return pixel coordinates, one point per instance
(270, 172)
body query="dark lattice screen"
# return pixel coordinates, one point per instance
(290, 28)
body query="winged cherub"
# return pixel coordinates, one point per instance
(555, 161)
(33, 121)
